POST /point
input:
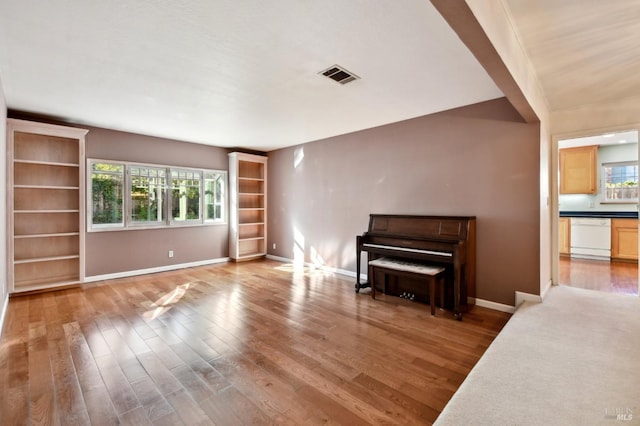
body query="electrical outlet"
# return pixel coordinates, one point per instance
(170, 253)
(274, 246)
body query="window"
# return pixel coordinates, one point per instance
(621, 182)
(185, 195)
(148, 188)
(213, 196)
(107, 185)
(156, 196)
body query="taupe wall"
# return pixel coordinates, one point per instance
(3, 202)
(121, 251)
(479, 160)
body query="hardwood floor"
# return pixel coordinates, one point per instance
(232, 344)
(611, 277)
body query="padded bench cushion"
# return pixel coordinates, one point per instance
(403, 265)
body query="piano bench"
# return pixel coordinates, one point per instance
(389, 266)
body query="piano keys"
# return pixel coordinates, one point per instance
(447, 241)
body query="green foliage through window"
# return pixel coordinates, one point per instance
(107, 184)
(185, 193)
(154, 195)
(148, 188)
(213, 195)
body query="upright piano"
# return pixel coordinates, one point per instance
(449, 241)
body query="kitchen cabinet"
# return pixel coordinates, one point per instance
(624, 239)
(45, 208)
(578, 170)
(248, 206)
(564, 234)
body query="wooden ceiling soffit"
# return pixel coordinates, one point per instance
(463, 22)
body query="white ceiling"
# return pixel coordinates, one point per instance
(234, 73)
(584, 51)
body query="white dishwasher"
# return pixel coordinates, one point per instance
(591, 238)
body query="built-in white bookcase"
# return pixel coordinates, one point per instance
(45, 211)
(248, 206)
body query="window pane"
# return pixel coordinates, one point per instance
(148, 185)
(621, 182)
(213, 194)
(107, 184)
(185, 194)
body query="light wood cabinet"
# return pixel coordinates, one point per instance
(564, 235)
(578, 170)
(45, 212)
(624, 239)
(248, 206)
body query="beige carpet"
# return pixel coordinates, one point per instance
(572, 360)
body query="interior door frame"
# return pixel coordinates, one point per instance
(555, 187)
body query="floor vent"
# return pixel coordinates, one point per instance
(339, 74)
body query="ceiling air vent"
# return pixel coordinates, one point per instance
(339, 74)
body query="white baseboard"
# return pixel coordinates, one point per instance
(320, 267)
(3, 312)
(492, 305)
(526, 297)
(126, 274)
(279, 259)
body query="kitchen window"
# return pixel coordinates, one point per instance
(620, 182)
(153, 196)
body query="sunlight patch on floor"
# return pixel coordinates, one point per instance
(306, 270)
(165, 303)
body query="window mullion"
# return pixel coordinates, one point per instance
(167, 196)
(127, 200)
(202, 201)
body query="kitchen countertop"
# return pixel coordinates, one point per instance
(600, 214)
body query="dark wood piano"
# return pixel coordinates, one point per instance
(449, 241)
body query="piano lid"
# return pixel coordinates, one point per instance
(446, 227)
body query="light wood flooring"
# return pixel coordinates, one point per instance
(233, 344)
(610, 277)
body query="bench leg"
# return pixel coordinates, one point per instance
(385, 284)
(441, 289)
(432, 295)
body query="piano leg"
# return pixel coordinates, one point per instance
(358, 265)
(357, 270)
(359, 285)
(362, 285)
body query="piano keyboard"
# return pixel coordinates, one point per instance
(407, 249)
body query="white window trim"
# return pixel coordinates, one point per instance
(128, 225)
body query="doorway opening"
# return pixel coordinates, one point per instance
(598, 212)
